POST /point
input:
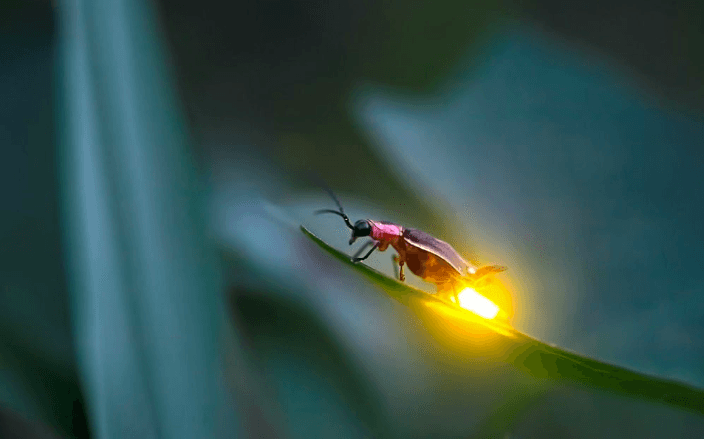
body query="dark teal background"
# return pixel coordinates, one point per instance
(155, 161)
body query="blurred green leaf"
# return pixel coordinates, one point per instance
(148, 321)
(471, 336)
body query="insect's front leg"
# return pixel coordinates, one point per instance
(399, 262)
(356, 257)
(361, 249)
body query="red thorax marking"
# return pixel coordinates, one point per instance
(385, 232)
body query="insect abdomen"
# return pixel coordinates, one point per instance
(428, 266)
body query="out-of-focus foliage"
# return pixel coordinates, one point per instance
(138, 340)
(660, 43)
(147, 311)
(38, 380)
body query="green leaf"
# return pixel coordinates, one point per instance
(472, 337)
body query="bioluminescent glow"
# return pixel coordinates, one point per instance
(478, 304)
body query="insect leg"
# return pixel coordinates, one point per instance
(362, 248)
(355, 259)
(399, 262)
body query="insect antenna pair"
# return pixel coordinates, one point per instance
(341, 212)
(359, 229)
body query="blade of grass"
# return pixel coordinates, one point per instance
(528, 354)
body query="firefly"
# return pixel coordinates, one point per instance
(427, 257)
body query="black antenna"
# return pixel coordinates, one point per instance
(344, 217)
(341, 212)
(334, 197)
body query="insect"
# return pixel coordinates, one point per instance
(427, 257)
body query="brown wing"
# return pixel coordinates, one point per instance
(439, 248)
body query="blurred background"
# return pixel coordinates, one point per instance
(156, 162)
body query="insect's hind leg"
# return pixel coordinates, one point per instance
(399, 262)
(448, 292)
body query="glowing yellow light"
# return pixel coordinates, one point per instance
(478, 304)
